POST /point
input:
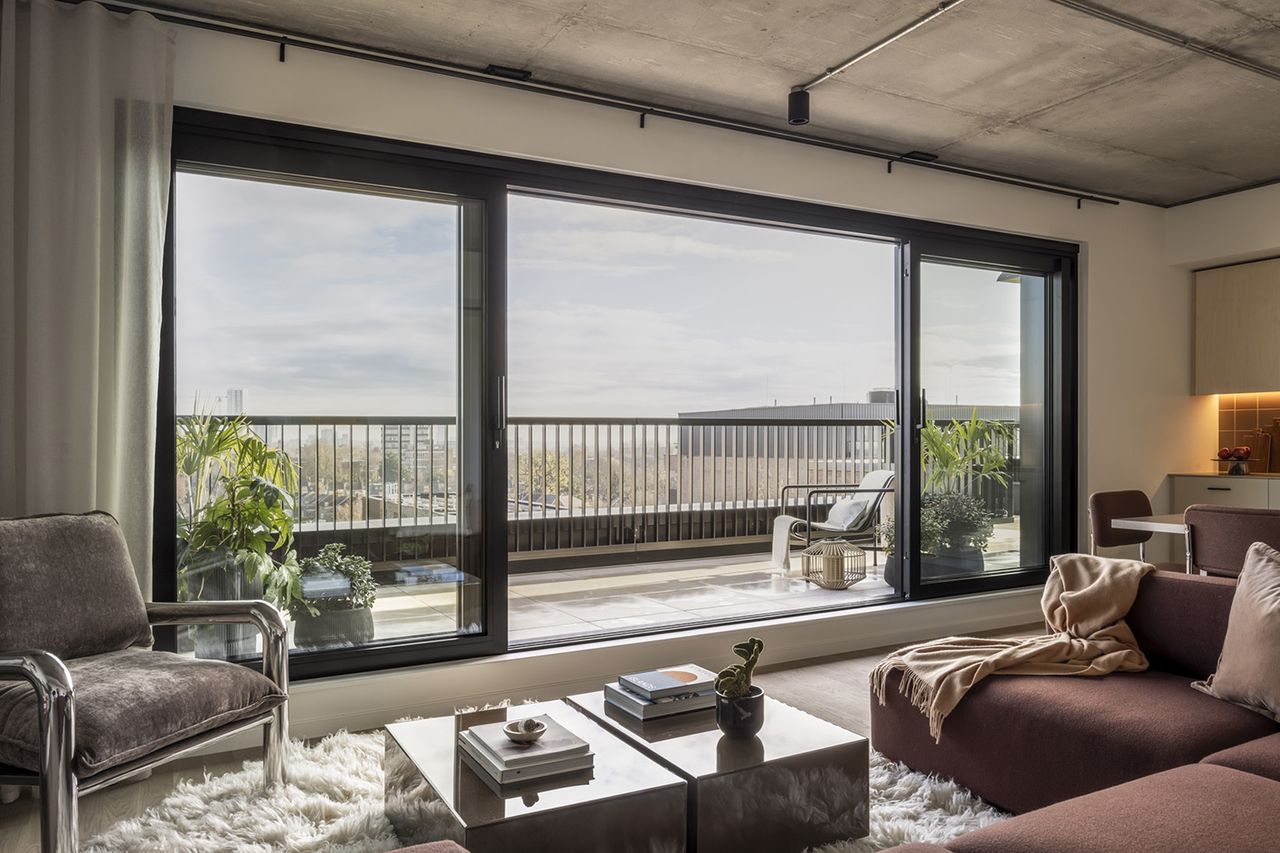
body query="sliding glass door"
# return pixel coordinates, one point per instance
(702, 385)
(334, 414)
(981, 408)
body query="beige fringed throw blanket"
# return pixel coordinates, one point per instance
(1085, 601)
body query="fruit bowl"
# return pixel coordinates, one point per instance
(524, 732)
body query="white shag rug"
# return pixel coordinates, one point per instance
(334, 803)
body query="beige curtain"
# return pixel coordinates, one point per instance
(86, 104)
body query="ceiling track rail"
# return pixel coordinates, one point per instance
(1169, 37)
(642, 109)
(879, 45)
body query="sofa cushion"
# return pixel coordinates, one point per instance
(1180, 620)
(1199, 807)
(432, 847)
(1260, 757)
(1248, 672)
(67, 586)
(1024, 741)
(130, 703)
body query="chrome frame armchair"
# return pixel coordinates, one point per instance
(58, 781)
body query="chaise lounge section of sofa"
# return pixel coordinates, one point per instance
(1138, 762)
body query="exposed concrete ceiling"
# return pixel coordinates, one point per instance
(1022, 87)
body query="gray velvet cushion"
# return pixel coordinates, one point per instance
(133, 702)
(67, 586)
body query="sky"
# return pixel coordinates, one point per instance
(323, 302)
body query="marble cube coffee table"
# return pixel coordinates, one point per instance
(627, 804)
(802, 782)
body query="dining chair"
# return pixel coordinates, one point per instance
(1221, 536)
(1105, 507)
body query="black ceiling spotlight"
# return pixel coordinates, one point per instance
(508, 72)
(798, 106)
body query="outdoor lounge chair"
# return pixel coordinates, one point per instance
(852, 517)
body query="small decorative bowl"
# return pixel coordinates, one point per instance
(524, 732)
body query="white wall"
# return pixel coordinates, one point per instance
(1138, 422)
(1238, 227)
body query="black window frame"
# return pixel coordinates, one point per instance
(217, 140)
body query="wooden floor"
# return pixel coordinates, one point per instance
(834, 689)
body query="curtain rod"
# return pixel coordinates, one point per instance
(351, 50)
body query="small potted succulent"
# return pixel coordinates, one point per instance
(332, 604)
(739, 703)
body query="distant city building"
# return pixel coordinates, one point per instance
(792, 441)
(234, 401)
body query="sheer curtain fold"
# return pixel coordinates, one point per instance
(86, 106)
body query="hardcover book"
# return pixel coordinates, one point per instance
(527, 785)
(469, 748)
(648, 709)
(557, 743)
(669, 681)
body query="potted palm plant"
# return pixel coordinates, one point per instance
(956, 459)
(235, 523)
(333, 604)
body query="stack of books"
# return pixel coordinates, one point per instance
(663, 692)
(503, 764)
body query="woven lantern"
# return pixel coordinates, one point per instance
(833, 564)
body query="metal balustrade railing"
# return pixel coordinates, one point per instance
(388, 486)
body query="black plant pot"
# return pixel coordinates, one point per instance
(218, 577)
(953, 563)
(945, 565)
(333, 628)
(742, 717)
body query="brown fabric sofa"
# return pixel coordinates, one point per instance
(1138, 762)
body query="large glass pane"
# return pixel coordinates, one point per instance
(982, 373)
(324, 334)
(670, 375)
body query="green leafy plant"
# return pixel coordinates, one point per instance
(734, 681)
(958, 455)
(354, 571)
(955, 457)
(235, 506)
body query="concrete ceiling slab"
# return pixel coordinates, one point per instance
(1196, 110)
(1004, 58)
(1069, 161)
(600, 56)
(1023, 87)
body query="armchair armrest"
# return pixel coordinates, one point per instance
(266, 618)
(56, 707)
(42, 670)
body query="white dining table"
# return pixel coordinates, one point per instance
(1174, 525)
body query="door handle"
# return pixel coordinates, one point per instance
(500, 413)
(1219, 488)
(924, 410)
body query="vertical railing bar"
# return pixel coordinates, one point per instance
(702, 480)
(642, 514)
(608, 434)
(382, 484)
(542, 453)
(666, 494)
(595, 482)
(681, 492)
(368, 463)
(558, 488)
(448, 481)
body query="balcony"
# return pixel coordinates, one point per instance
(613, 525)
